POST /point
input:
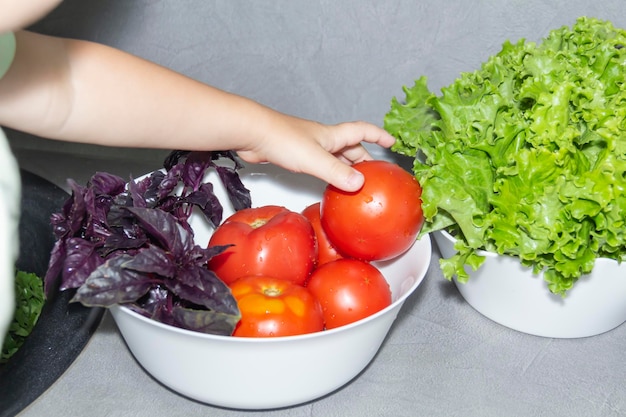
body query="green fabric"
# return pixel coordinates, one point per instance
(7, 51)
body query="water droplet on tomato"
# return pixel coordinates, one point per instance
(271, 234)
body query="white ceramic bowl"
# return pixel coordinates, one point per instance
(510, 294)
(257, 373)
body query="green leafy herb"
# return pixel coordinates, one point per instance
(29, 301)
(527, 155)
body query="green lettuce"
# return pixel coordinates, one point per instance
(29, 302)
(527, 155)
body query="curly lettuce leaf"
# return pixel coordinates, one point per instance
(526, 156)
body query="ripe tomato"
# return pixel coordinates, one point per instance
(273, 307)
(379, 221)
(269, 240)
(326, 252)
(349, 290)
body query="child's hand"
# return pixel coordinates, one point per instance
(320, 150)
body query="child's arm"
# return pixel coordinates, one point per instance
(17, 14)
(85, 92)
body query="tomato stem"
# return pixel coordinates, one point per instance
(272, 292)
(258, 223)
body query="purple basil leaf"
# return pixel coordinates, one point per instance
(169, 182)
(164, 229)
(169, 204)
(96, 235)
(74, 208)
(160, 313)
(201, 196)
(99, 208)
(59, 225)
(109, 184)
(238, 194)
(111, 284)
(147, 184)
(204, 321)
(154, 189)
(194, 169)
(94, 215)
(81, 258)
(119, 218)
(201, 286)
(152, 260)
(95, 225)
(208, 203)
(120, 241)
(156, 304)
(201, 255)
(55, 266)
(136, 190)
(120, 201)
(173, 158)
(132, 243)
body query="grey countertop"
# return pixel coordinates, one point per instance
(441, 358)
(336, 61)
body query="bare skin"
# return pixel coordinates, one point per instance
(82, 91)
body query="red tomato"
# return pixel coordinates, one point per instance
(273, 307)
(326, 252)
(381, 220)
(349, 290)
(269, 240)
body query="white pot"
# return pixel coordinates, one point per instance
(510, 294)
(264, 373)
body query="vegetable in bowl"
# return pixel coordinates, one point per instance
(131, 243)
(527, 155)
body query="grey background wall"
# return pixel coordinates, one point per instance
(328, 60)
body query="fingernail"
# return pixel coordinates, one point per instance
(354, 181)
